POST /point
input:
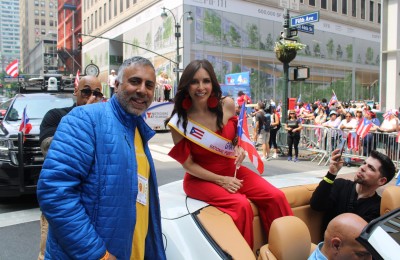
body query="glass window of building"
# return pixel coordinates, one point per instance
(51, 23)
(36, 12)
(109, 10)
(36, 21)
(95, 20)
(354, 8)
(311, 2)
(51, 14)
(36, 3)
(121, 6)
(105, 12)
(100, 14)
(42, 13)
(334, 5)
(51, 5)
(371, 11)
(43, 22)
(362, 9)
(344, 6)
(379, 12)
(324, 4)
(128, 2)
(42, 3)
(115, 8)
(43, 32)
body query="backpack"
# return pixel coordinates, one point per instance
(267, 122)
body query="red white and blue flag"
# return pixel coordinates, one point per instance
(333, 100)
(197, 132)
(12, 69)
(299, 99)
(246, 144)
(398, 137)
(76, 83)
(25, 126)
(363, 127)
(353, 141)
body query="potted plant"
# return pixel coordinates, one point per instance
(286, 50)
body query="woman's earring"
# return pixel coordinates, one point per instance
(212, 101)
(186, 103)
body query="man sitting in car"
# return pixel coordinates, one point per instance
(336, 195)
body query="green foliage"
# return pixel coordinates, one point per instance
(269, 43)
(167, 25)
(317, 49)
(148, 40)
(369, 56)
(330, 47)
(349, 52)
(234, 37)
(253, 33)
(339, 52)
(135, 43)
(212, 24)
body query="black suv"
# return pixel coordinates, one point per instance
(21, 161)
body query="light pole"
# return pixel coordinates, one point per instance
(177, 35)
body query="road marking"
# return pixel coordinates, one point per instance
(160, 152)
(19, 217)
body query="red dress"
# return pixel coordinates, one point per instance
(271, 202)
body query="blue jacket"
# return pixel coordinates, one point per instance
(88, 185)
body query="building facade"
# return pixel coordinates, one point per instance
(343, 53)
(38, 21)
(9, 32)
(69, 29)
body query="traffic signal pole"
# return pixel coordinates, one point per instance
(286, 34)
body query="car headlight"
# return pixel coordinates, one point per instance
(5, 149)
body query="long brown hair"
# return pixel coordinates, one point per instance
(183, 92)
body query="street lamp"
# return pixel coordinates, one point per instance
(189, 18)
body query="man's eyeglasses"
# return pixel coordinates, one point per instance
(86, 92)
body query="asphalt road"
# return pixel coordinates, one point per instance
(19, 225)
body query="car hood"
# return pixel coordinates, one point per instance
(175, 203)
(13, 126)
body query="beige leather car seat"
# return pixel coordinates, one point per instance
(289, 239)
(390, 199)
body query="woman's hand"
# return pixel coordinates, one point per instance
(231, 184)
(240, 155)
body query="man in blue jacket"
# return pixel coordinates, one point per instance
(98, 187)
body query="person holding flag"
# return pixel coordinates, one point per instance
(209, 152)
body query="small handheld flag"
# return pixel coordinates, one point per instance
(246, 144)
(25, 127)
(12, 69)
(77, 79)
(363, 127)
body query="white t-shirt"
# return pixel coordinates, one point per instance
(111, 80)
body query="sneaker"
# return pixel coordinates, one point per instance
(274, 155)
(289, 158)
(296, 159)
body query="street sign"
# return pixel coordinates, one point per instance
(179, 70)
(307, 28)
(11, 79)
(304, 19)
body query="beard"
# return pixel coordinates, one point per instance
(127, 102)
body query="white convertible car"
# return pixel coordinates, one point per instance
(193, 229)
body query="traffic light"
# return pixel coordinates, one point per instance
(79, 44)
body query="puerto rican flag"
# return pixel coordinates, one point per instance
(333, 100)
(363, 127)
(398, 137)
(197, 132)
(246, 144)
(353, 141)
(25, 126)
(76, 83)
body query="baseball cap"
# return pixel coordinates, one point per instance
(333, 112)
(113, 71)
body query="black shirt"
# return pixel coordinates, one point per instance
(341, 197)
(51, 121)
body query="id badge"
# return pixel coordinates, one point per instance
(143, 184)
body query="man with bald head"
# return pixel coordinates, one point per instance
(340, 240)
(88, 91)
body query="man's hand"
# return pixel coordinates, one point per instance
(336, 162)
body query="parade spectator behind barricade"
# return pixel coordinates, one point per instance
(333, 124)
(319, 120)
(293, 127)
(309, 118)
(111, 82)
(346, 125)
(275, 126)
(335, 196)
(358, 115)
(262, 129)
(88, 91)
(389, 125)
(390, 122)
(217, 176)
(340, 240)
(90, 186)
(369, 141)
(166, 87)
(243, 98)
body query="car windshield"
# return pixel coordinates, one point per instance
(37, 106)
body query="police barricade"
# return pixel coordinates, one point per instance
(313, 139)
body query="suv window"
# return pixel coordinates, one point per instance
(37, 107)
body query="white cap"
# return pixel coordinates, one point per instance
(112, 71)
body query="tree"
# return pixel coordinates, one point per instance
(254, 38)
(317, 49)
(339, 52)
(148, 40)
(377, 60)
(167, 25)
(234, 36)
(330, 47)
(349, 52)
(269, 43)
(212, 25)
(369, 56)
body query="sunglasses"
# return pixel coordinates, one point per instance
(86, 92)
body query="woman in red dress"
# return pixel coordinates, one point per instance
(210, 175)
